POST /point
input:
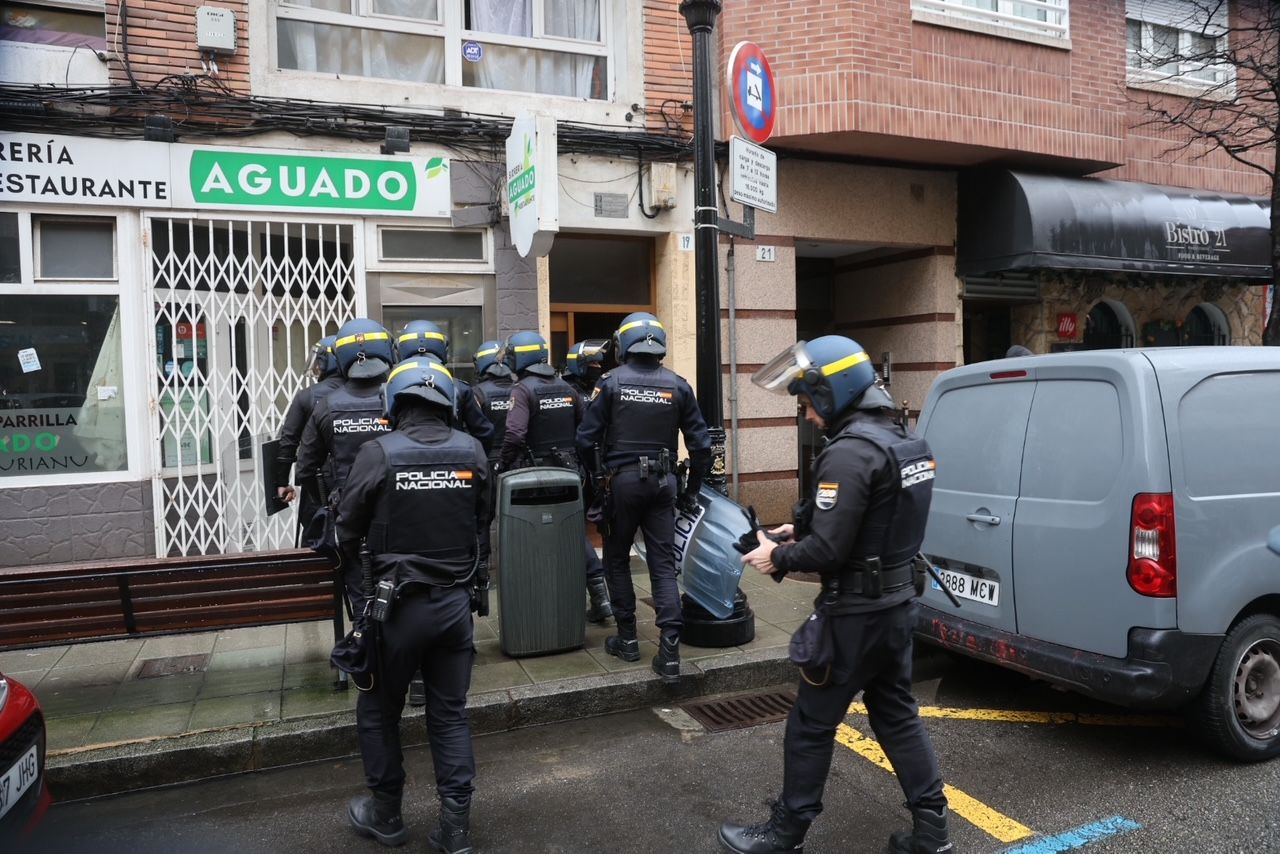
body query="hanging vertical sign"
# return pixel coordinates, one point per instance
(533, 191)
(753, 92)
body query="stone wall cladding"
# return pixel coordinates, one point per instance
(162, 41)
(57, 524)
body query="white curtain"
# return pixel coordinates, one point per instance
(100, 424)
(567, 74)
(526, 70)
(361, 52)
(427, 10)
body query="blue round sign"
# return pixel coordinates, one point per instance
(753, 100)
(472, 51)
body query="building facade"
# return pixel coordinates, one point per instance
(192, 193)
(958, 176)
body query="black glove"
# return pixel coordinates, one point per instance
(480, 590)
(687, 502)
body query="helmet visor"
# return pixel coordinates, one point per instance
(783, 369)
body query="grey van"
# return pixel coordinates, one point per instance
(1103, 518)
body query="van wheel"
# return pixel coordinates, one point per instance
(1239, 709)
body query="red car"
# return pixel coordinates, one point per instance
(23, 795)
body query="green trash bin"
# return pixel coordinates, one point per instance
(541, 572)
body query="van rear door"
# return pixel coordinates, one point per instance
(976, 426)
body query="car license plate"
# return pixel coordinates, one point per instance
(18, 779)
(966, 586)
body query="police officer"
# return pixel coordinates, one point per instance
(540, 431)
(633, 417)
(418, 497)
(493, 392)
(324, 369)
(424, 338)
(865, 524)
(583, 365)
(347, 418)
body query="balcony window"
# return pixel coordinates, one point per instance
(1042, 21)
(74, 23)
(550, 47)
(1180, 55)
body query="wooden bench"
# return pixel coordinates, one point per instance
(107, 600)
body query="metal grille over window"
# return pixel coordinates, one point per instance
(236, 305)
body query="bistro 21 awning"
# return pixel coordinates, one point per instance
(1018, 222)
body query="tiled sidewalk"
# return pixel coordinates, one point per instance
(92, 694)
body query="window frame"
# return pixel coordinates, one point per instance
(468, 264)
(454, 34)
(1002, 21)
(37, 238)
(129, 301)
(1179, 81)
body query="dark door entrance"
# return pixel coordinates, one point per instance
(987, 332)
(1103, 329)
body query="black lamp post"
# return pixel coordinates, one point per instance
(700, 16)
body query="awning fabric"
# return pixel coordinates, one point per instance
(1020, 222)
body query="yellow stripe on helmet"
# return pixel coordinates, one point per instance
(368, 336)
(572, 356)
(488, 352)
(847, 362)
(414, 363)
(635, 323)
(527, 348)
(409, 336)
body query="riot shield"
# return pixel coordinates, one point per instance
(708, 565)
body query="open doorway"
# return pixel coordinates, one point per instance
(596, 281)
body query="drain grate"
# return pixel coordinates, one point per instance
(743, 711)
(173, 665)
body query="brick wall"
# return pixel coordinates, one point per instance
(162, 41)
(668, 73)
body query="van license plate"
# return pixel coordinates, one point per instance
(971, 587)
(18, 779)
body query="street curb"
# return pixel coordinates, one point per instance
(98, 770)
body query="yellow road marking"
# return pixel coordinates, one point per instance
(974, 811)
(1021, 717)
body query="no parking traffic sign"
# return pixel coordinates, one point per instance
(753, 93)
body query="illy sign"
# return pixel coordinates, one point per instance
(1066, 325)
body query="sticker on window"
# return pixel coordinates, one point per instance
(827, 495)
(29, 360)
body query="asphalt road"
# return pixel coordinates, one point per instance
(648, 781)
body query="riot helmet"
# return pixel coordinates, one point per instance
(423, 338)
(489, 362)
(524, 350)
(324, 363)
(363, 349)
(832, 371)
(640, 332)
(422, 378)
(585, 359)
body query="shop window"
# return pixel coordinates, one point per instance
(10, 251)
(1035, 20)
(1177, 44)
(70, 23)
(74, 247)
(1108, 326)
(422, 244)
(61, 385)
(552, 47)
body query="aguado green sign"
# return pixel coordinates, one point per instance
(280, 180)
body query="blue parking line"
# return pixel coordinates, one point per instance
(1077, 838)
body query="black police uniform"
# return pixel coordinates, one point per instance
(493, 395)
(541, 429)
(295, 422)
(634, 415)
(339, 425)
(420, 497)
(472, 418)
(874, 481)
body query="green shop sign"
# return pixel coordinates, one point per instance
(289, 181)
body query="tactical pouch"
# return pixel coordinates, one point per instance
(812, 649)
(802, 518)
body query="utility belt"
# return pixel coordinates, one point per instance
(659, 466)
(868, 579)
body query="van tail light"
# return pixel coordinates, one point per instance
(1153, 555)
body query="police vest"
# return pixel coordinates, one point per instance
(553, 422)
(497, 403)
(424, 525)
(354, 420)
(895, 531)
(646, 414)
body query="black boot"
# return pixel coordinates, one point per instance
(783, 832)
(624, 644)
(417, 691)
(667, 662)
(928, 834)
(378, 816)
(600, 610)
(453, 835)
